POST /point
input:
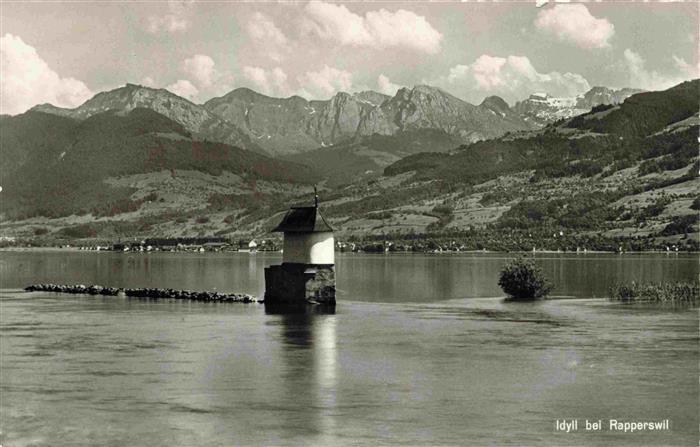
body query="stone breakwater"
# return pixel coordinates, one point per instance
(217, 297)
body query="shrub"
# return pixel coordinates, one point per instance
(521, 279)
(621, 164)
(380, 215)
(696, 204)
(680, 225)
(661, 292)
(587, 168)
(653, 210)
(442, 210)
(649, 167)
(490, 198)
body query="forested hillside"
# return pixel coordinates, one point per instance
(618, 176)
(60, 166)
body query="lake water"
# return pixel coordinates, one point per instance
(422, 350)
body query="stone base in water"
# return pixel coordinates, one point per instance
(298, 285)
(145, 293)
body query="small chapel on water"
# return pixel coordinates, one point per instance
(307, 272)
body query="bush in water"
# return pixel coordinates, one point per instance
(521, 279)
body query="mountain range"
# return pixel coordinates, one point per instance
(287, 126)
(140, 161)
(541, 109)
(293, 125)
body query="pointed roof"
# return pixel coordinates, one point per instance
(303, 219)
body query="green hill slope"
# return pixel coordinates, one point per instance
(61, 166)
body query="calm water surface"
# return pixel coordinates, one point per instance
(422, 350)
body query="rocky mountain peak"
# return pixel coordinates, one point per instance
(598, 89)
(404, 93)
(341, 98)
(132, 96)
(423, 97)
(242, 94)
(131, 86)
(541, 108)
(428, 107)
(372, 97)
(192, 117)
(603, 95)
(495, 103)
(428, 90)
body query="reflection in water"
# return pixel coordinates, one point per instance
(252, 265)
(310, 369)
(325, 356)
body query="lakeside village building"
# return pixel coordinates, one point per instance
(307, 273)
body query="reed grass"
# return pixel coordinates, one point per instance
(664, 292)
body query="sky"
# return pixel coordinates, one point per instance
(65, 52)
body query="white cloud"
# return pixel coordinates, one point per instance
(512, 77)
(336, 22)
(201, 68)
(377, 29)
(175, 20)
(325, 83)
(457, 72)
(486, 71)
(403, 29)
(640, 77)
(183, 88)
(26, 80)
(574, 23)
(261, 27)
(321, 84)
(384, 85)
(271, 40)
(209, 81)
(272, 82)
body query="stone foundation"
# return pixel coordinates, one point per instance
(292, 285)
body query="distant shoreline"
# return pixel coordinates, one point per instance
(445, 252)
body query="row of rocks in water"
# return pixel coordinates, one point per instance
(145, 293)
